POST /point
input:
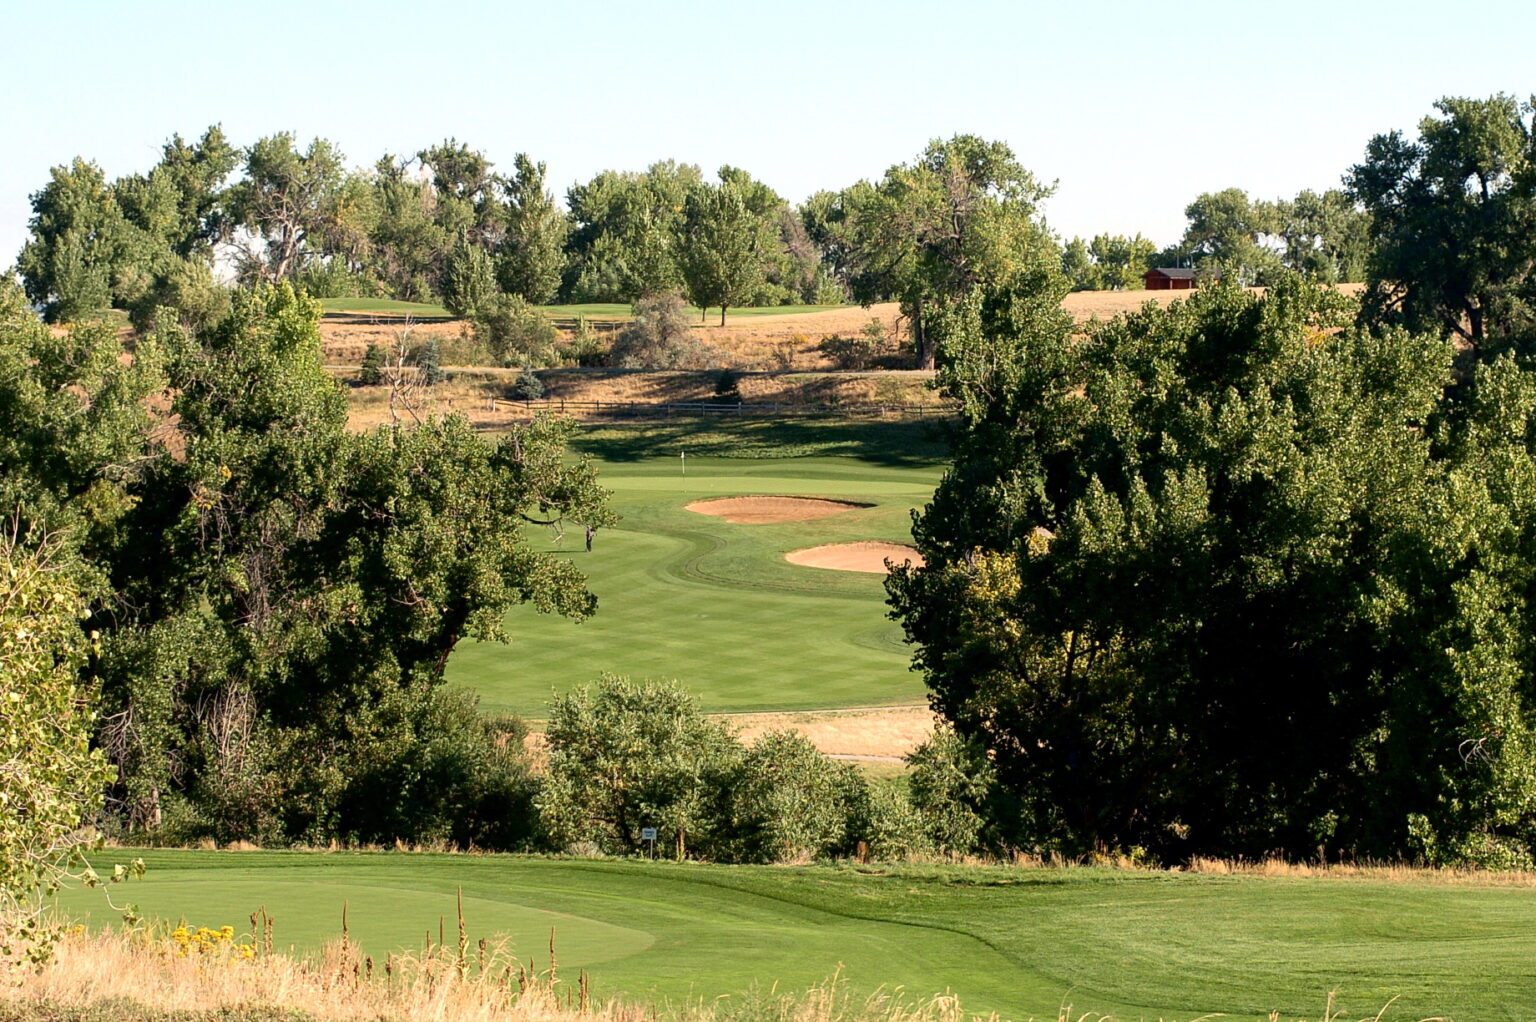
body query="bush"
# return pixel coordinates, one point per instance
(623, 756)
(372, 372)
(660, 337)
(950, 782)
(787, 801)
(516, 333)
(430, 361)
(527, 386)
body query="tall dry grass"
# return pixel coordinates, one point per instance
(137, 976)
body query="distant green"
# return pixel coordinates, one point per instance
(691, 597)
(384, 307)
(1018, 941)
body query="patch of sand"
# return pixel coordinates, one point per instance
(766, 510)
(880, 734)
(866, 556)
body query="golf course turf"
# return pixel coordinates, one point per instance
(713, 603)
(1014, 940)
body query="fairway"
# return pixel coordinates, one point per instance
(712, 603)
(1018, 941)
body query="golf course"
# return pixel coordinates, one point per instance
(1018, 941)
(713, 603)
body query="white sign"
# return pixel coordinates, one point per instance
(647, 833)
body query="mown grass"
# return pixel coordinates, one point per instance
(712, 604)
(1015, 940)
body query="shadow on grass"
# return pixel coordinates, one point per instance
(904, 444)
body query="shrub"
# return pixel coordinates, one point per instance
(527, 386)
(516, 333)
(659, 337)
(430, 361)
(372, 372)
(625, 755)
(950, 783)
(787, 801)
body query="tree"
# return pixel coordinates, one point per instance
(286, 199)
(1226, 237)
(533, 253)
(1110, 262)
(1326, 236)
(83, 252)
(286, 594)
(1228, 518)
(725, 246)
(371, 374)
(624, 756)
(52, 781)
(1452, 215)
(963, 214)
(470, 285)
(624, 232)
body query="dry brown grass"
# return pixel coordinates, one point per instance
(883, 733)
(453, 983)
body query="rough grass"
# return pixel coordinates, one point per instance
(714, 604)
(1021, 941)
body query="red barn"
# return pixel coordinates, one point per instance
(1170, 278)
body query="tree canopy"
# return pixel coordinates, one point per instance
(1232, 577)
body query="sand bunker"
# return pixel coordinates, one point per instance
(869, 557)
(767, 510)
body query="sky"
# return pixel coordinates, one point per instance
(1133, 108)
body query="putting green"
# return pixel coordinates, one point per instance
(1021, 942)
(714, 604)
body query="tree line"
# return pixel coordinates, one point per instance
(445, 225)
(1253, 575)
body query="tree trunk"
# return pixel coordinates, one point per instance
(925, 359)
(722, 315)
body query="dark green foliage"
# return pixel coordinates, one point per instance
(430, 363)
(532, 256)
(470, 285)
(372, 372)
(962, 214)
(786, 801)
(527, 386)
(1110, 262)
(515, 333)
(727, 388)
(1452, 215)
(1221, 579)
(284, 594)
(953, 792)
(625, 756)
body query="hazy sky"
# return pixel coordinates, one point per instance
(1134, 108)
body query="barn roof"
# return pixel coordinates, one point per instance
(1176, 272)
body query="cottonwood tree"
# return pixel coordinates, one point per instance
(1452, 217)
(964, 213)
(286, 198)
(1229, 518)
(725, 246)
